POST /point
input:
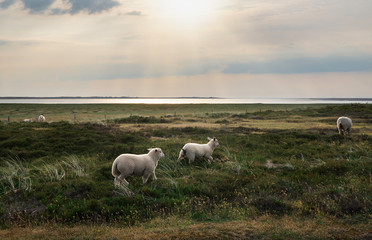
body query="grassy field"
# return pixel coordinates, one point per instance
(96, 112)
(281, 172)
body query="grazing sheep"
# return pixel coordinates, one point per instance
(344, 125)
(27, 120)
(192, 150)
(140, 165)
(41, 118)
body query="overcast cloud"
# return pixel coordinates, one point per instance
(68, 6)
(257, 48)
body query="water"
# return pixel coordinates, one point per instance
(186, 100)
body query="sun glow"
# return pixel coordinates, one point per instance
(185, 11)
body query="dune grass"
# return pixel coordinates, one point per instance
(320, 184)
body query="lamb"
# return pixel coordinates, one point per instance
(41, 118)
(139, 165)
(192, 150)
(344, 125)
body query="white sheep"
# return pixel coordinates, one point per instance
(41, 118)
(27, 120)
(344, 125)
(139, 165)
(193, 150)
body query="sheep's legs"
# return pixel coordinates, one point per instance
(154, 176)
(121, 178)
(210, 159)
(145, 177)
(191, 158)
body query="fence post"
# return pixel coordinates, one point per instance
(74, 116)
(8, 119)
(105, 116)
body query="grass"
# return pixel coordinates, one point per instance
(61, 175)
(14, 176)
(263, 227)
(96, 112)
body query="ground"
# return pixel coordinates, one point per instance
(280, 172)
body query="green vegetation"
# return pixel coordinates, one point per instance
(96, 112)
(282, 164)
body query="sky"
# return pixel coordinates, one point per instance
(186, 48)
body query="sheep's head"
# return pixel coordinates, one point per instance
(157, 151)
(214, 140)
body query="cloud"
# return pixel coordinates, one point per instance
(91, 6)
(73, 6)
(4, 42)
(107, 71)
(303, 65)
(6, 3)
(134, 13)
(37, 6)
(18, 43)
(129, 71)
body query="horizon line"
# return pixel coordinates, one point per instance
(128, 97)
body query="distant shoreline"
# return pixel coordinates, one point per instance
(96, 97)
(179, 100)
(93, 97)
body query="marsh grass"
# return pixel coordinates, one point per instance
(238, 163)
(76, 165)
(124, 191)
(14, 176)
(52, 171)
(70, 172)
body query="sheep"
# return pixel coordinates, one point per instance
(40, 118)
(139, 165)
(192, 150)
(344, 125)
(27, 120)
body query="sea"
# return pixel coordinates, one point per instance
(97, 100)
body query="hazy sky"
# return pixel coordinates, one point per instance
(222, 48)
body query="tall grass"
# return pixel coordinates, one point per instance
(76, 165)
(123, 191)
(53, 172)
(238, 163)
(14, 176)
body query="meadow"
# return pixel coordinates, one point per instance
(280, 172)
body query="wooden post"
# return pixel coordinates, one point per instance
(74, 116)
(8, 119)
(105, 116)
(175, 113)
